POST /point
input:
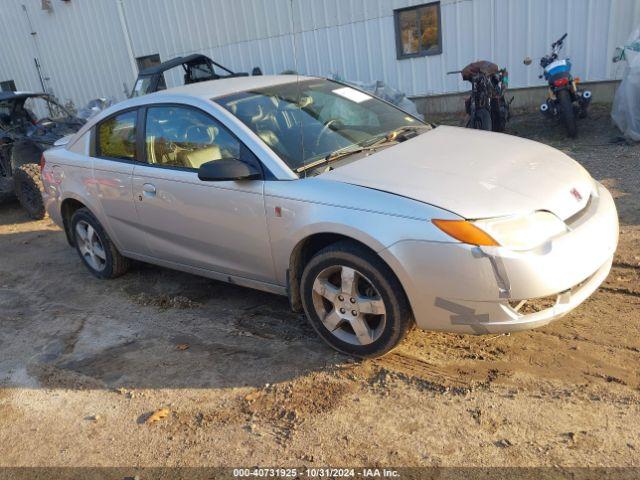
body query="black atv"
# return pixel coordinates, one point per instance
(30, 123)
(195, 68)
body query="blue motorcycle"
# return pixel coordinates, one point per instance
(565, 100)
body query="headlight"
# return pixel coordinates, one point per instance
(522, 232)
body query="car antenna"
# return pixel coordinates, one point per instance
(298, 93)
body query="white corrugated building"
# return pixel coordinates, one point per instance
(91, 48)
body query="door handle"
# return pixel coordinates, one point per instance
(149, 190)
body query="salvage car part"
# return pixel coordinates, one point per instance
(195, 68)
(29, 124)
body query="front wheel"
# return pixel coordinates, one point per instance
(566, 112)
(354, 301)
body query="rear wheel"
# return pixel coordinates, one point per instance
(566, 112)
(28, 188)
(499, 114)
(354, 301)
(94, 246)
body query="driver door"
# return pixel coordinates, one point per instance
(219, 226)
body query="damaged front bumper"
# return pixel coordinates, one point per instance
(465, 289)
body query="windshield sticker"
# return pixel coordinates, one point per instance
(352, 94)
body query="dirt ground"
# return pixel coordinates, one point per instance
(84, 363)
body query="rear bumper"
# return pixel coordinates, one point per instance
(461, 288)
(51, 199)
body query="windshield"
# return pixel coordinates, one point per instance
(44, 108)
(30, 111)
(142, 86)
(309, 120)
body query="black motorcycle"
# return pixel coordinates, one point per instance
(486, 107)
(565, 100)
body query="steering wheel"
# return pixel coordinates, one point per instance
(326, 127)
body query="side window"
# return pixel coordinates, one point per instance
(117, 136)
(186, 137)
(8, 86)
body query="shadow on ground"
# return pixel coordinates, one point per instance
(12, 213)
(152, 328)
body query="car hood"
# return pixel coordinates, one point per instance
(475, 174)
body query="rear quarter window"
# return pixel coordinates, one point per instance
(117, 136)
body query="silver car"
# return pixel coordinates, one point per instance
(367, 218)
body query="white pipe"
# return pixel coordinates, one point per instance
(127, 38)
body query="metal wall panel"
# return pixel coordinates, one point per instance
(84, 45)
(80, 47)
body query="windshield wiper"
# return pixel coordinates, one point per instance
(399, 132)
(343, 152)
(374, 143)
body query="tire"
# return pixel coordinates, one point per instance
(95, 248)
(498, 117)
(481, 120)
(583, 111)
(336, 312)
(28, 187)
(567, 115)
(7, 192)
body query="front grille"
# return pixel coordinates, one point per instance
(534, 305)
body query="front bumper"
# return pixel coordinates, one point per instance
(466, 289)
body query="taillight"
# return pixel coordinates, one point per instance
(42, 162)
(561, 82)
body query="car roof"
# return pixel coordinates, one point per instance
(227, 86)
(19, 95)
(203, 91)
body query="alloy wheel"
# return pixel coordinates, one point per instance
(90, 246)
(349, 305)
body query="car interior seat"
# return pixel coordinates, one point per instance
(260, 117)
(200, 146)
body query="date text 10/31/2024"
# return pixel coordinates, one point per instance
(316, 472)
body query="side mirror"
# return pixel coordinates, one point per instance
(527, 61)
(227, 169)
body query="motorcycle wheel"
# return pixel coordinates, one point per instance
(566, 112)
(481, 120)
(498, 117)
